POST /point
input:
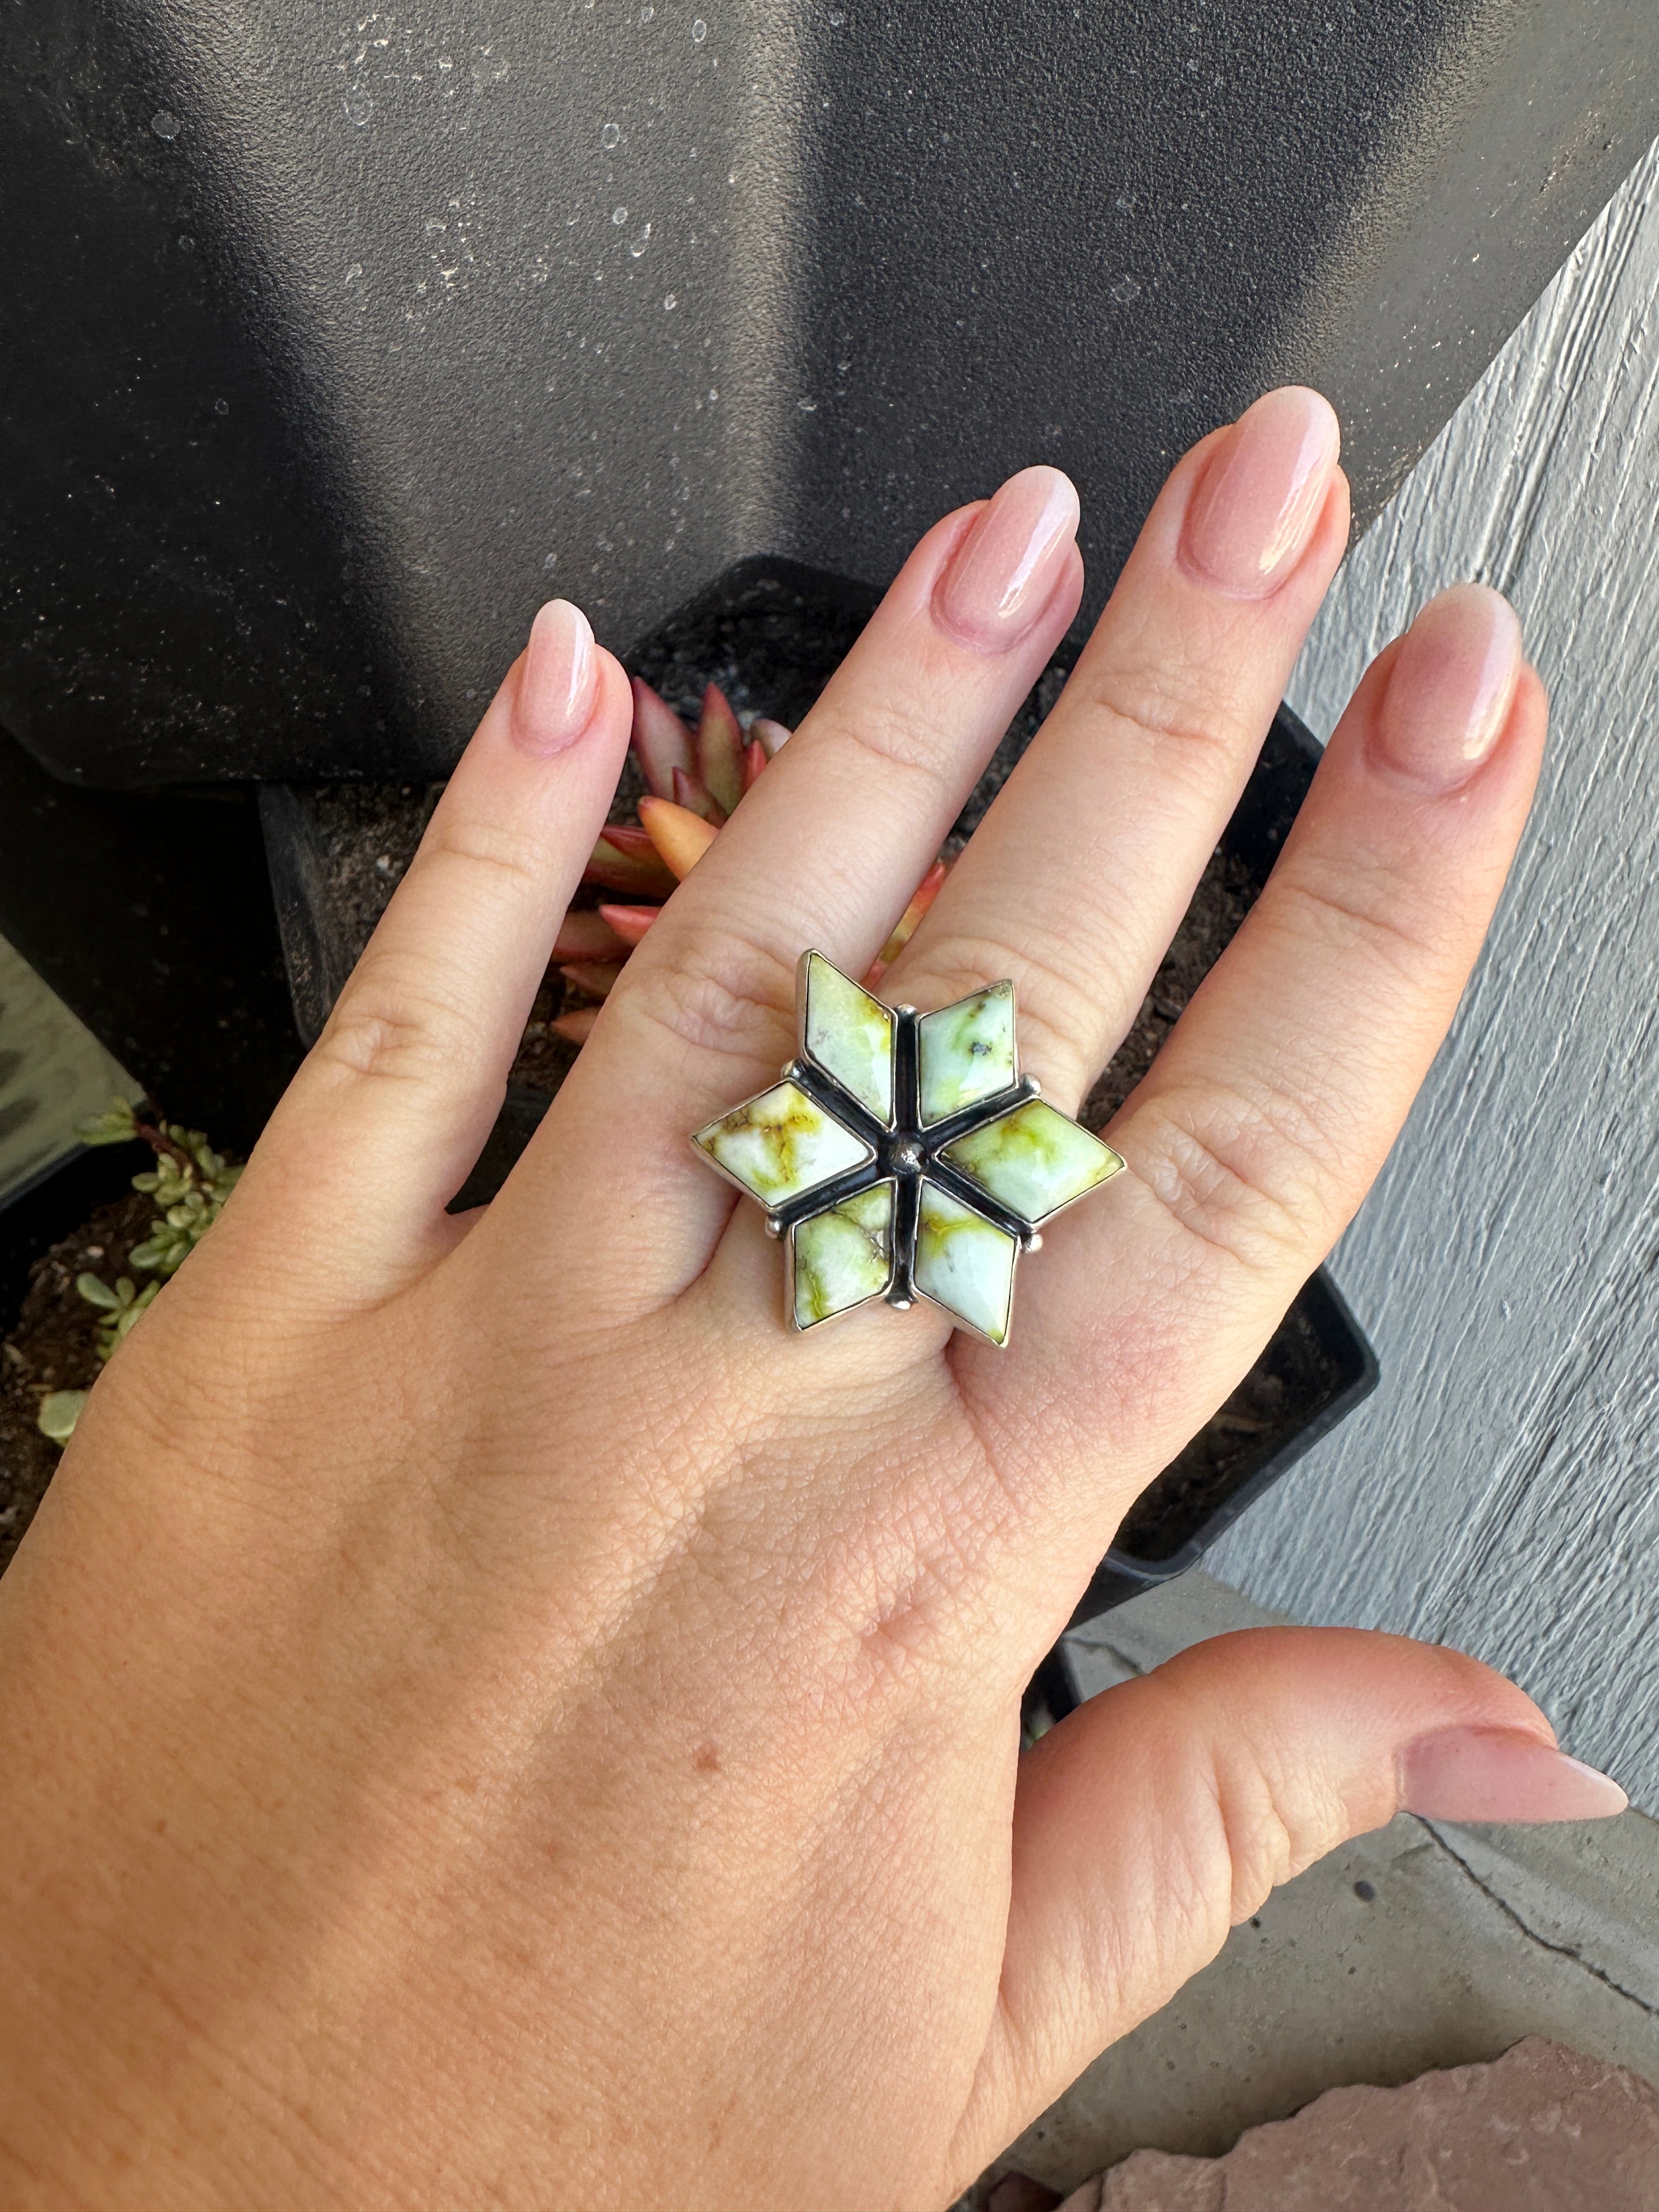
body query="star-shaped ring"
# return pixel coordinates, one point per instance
(901, 1154)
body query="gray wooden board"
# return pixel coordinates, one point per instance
(1498, 1493)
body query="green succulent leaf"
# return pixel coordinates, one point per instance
(98, 1294)
(116, 1126)
(59, 1411)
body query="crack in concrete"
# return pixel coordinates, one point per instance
(1544, 1944)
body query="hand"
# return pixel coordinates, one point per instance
(493, 1719)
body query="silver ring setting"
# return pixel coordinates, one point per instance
(902, 1155)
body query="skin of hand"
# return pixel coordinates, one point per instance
(492, 1718)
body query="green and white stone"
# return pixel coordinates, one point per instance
(1033, 1160)
(849, 1034)
(843, 1255)
(966, 1052)
(780, 1144)
(965, 1263)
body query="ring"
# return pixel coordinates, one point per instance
(902, 1155)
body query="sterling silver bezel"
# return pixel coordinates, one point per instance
(900, 1150)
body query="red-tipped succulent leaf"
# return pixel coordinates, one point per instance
(596, 977)
(768, 735)
(661, 741)
(691, 792)
(630, 923)
(625, 859)
(586, 935)
(577, 1026)
(681, 837)
(926, 891)
(720, 750)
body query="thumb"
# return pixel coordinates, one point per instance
(1164, 1811)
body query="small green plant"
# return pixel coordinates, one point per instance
(190, 1183)
(121, 1307)
(188, 1186)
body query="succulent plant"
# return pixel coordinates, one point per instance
(120, 1306)
(188, 1184)
(188, 1187)
(694, 781)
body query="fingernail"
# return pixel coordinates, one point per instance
(1251, 516)
(1449, 689)
(1001, 576)
(556, 682)
(1501, 1774)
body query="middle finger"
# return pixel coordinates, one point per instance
(1079, 875)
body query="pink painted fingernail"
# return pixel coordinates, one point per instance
(1001, 576)
(1449, 689)
(1251, 516)
(557, 680)
(1501, 1774)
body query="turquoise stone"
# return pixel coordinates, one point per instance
(965, 1263)
(966, 1052)
(849, 1034)
(1033, 1160)
(780, 1144)
(843, 1255)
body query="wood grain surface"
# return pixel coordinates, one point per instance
(1499, 1492)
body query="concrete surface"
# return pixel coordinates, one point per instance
(1499, 1491)
(1470, 1940)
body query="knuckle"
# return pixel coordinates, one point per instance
(392, 1025)
(1363, 907)
(1255, 1174)
(719, 993)
(1184, 712)
(894, 735)
(1266, 1838)
(484, 850)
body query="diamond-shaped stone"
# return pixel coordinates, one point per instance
(780, 1144)
(1033, 1160)
(965, 1052)
(842, 1256)
(965, 1263)
(849, 1034)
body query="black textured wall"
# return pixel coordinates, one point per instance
(334, 344)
